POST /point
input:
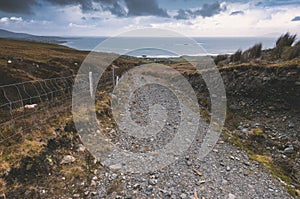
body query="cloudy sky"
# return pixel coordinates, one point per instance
(189, 17)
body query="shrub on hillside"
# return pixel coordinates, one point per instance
(252, 53)
(282, 43)
(220, 58)
(291, 52)
(236, 57)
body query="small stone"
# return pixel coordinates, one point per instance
(86, 193)
(289, 149)
(215, 150)
(81, 148)
(152, 182)
(68, 159)
(136, 186)
(183, 196)
(228, 168)
(188, 163)
(113, 176)
(297, 192)
(149, 188)
(291, 125)
(94, 193)
(244, 130)
(231, 196)
(76, 195)
(115, 167)
(93, 183)
(240, 127)
(95, 178)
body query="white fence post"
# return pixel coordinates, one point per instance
(91, 84)
(117, 81)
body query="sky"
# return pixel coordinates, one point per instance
(196, 18)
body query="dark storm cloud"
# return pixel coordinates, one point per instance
(296, 18)
(144, 8)
(116, 9)
(237, 13)
(87, 5)
(84, 4)
(17, 6)
(135, 7)
(207, 10)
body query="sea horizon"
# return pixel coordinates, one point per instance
(131, 45)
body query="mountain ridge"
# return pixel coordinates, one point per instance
(25, 36)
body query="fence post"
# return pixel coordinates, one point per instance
(91, 83)
(117, 80)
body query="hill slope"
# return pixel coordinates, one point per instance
(23, 36)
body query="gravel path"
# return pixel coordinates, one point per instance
(226, 172)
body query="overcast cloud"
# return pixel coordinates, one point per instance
(109, 17)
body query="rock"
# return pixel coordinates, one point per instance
(149, 188)
(228, 168)
(152, 182)
(113, 176)
(291, 125)
(183, 196)
(240, 127)
(67, 159)
(297, 192)
(289, 149)
(81, 148)
(231, 196)
(136, 186)
(115, 167)
(244, 130)
(93, 183)
(76, 195)
(94, 193)
(188, 163)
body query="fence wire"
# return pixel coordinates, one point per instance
(29, 104)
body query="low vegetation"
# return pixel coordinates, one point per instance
(285, 49)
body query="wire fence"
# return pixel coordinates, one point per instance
(28, 104)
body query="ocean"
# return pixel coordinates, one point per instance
(168, 46)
